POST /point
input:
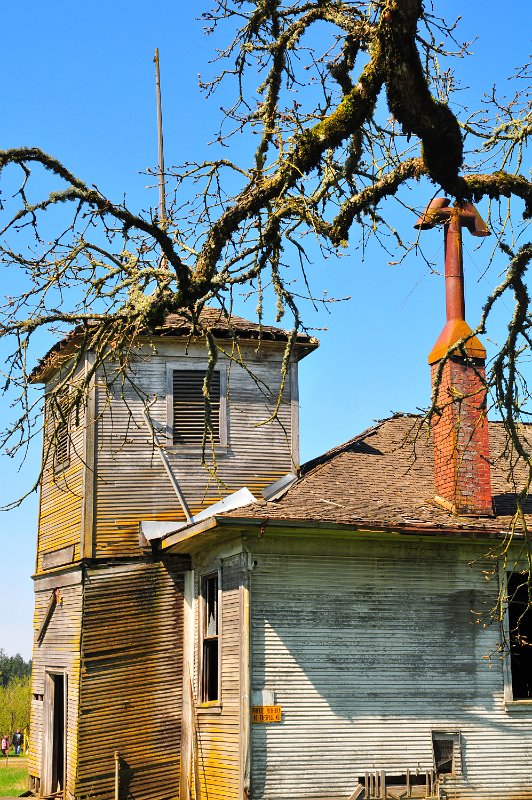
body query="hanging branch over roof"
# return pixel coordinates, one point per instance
(328, 161)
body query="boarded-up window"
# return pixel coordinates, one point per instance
(210, 678)
(189, 406)
(520, 624)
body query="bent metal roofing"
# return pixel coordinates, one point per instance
(383, 479)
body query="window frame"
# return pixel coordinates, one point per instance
(180, 366)
(511, 703)
(203, 577)
(455, 737)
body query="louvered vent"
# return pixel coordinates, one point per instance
(61, 444)
(59, 431)
(189, 406)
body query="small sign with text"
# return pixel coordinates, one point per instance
(266, 713)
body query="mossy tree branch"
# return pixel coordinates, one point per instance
(346, 119)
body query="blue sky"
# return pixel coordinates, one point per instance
(78, 82)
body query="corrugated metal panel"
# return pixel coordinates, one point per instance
(131, 482)
(368, 648)
(130, 696)
(59, 649)
(218, 732)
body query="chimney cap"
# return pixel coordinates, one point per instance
(438, 211)
(430, 216)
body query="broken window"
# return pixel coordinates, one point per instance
(189, 407)
(446, 751)
(210, 664)
(520, 629)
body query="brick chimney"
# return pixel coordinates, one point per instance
(460, 429)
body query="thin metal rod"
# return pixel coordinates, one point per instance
(166, 463)
(162, 192)
(117, 775)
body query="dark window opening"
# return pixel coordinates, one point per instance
(443, 755)
(378, 784)
(210, 647)
(414, 778)
(520, 624)
(190, 407)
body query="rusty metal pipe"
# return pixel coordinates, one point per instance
(454, 271)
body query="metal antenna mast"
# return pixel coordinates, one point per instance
(162, 195)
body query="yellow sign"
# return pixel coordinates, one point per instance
(266, 713)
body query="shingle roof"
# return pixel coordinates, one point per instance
(383, 478)
(222, 326)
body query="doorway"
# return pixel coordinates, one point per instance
(54, 750)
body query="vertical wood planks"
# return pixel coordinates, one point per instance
(59, 651)
(130, 696)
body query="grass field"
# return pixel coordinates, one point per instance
(13, 777)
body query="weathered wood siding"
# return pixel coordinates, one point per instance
(59, 650)
(218, 751)
(369, 646)
(131, 482)
(60, 508)
(131, 680)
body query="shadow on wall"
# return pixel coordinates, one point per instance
(126, 776)
(376, 637)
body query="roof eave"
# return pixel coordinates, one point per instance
(179, 541)
(60, 352)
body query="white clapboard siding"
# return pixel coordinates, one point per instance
(370, 646)
(131, 481)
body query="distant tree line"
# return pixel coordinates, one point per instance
(13, 667)
(15, 693)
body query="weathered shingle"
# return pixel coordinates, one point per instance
(383, 478)
(218, 322)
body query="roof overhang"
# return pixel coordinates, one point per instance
(219, 528)
(63, 350)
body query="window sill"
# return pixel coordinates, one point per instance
(184, 450)
(214, 707)
(62, 467)
(518, 705)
